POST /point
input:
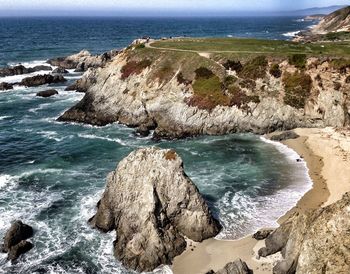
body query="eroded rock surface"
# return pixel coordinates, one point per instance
(236, 267)
(313, 242)
(15, 243)
(20, 69)
(152, 205)
(39, 80)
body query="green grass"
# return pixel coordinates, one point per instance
(298, 60)
(269, 47)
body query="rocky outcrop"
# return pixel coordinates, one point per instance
(334, 22)
(82, 84)
(5, 86)
(148, 94)
(15, 243)
(20, 69)
(151, 204)
(39, 80)
(262, 234)
(82, 60)
(60, 70)
(47, 93)
(287, 135)
(313, 242)
(236, 267)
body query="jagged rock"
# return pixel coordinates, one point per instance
(47, 93)
(262, 234)
(284, 136)
(19, 249)
(152, 205)
(60, 70)
(42, 80)
(82, 60)
(83, 84)
(16, 233)
(20, 69)
(314, 242)
(236, 267)
(5, 86)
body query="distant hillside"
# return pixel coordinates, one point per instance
(316, 10)
(335, 22)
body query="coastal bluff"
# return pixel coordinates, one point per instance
(173, 92)
(152, 205)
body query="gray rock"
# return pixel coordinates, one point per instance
(287, 135)
(47, 93)
(20, 69)
(236, 267)
(19, 249)
(39, 80)
(5, 86)
(60, 70)
(16, 233)
(152, 205)
(262, 234)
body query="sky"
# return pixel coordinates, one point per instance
(153, 6)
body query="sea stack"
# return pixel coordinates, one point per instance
(153, 206)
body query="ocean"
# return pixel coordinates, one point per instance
(52, 174)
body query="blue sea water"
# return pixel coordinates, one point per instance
(52, 174)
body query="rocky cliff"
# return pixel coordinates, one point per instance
(152, 205)
(183, 94)
(314, 242)
(334, 22)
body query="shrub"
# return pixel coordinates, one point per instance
(134, 67)
(298, 60)
(228, 81)
(233, 65)
(340, 64)
(275, 71)
(203, 72)
(182, 80)
(337, 86)
(248, 84)
(255, 68)
(140, 46)
(297, 89)
(240, 99)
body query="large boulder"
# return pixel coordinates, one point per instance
(236, 267)
(47, 93)
(152, 205)
(42, 80)
(16, 233)
(316, 241)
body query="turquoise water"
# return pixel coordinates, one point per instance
(52, 174)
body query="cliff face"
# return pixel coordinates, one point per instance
(334, 22)
(184, 94)
(313, 242)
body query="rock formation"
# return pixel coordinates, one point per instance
(39, 80)
(334, 22)
(20, 69)
(159, 90)
(60, 70)
(313, 242)
(284, 136)
(82, 60)
(236, 267)
(5, 86)
(15, 243)
(47, 93)
(152, 205)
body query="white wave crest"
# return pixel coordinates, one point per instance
(291, 34)
(90, 136)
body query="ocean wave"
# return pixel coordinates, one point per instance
(291, 34)
(8, 181)
(51, 135)
(4, 117)
(40, 107)
(91, 136)
(30, 64)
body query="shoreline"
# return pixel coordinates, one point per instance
(316, 147)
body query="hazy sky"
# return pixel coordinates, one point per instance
(168, 5)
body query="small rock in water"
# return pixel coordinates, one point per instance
(19, 249)
(285, 136)
(5, 86)
(60, 70)
(47, 93)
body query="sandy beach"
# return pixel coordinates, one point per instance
(327, 154)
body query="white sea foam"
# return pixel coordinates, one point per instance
(291, 34)
(4, 117)
(90, 136)
(7, 181)
(31, 64)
